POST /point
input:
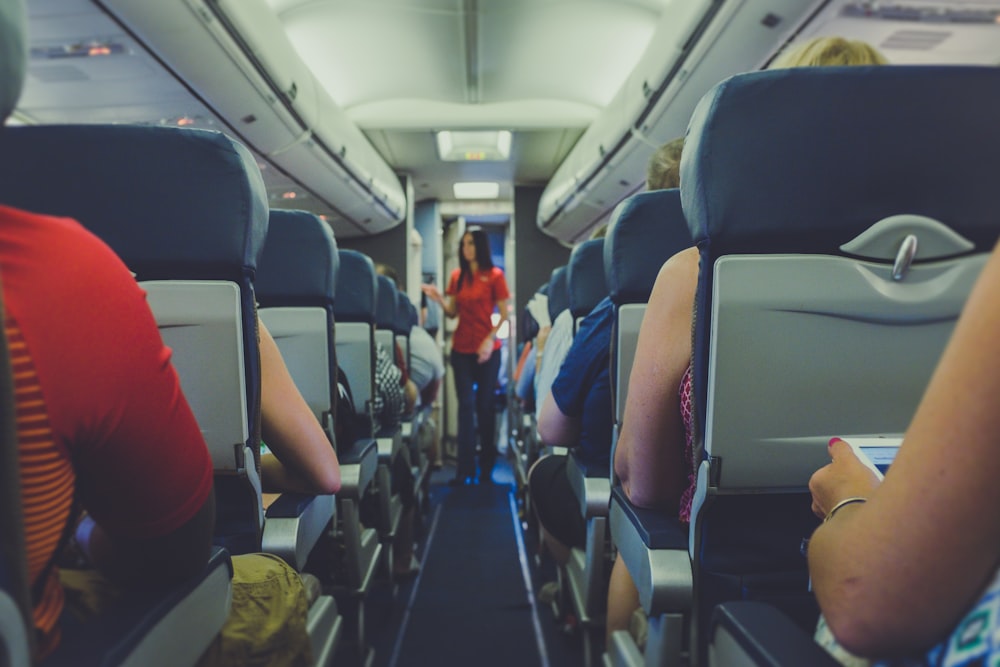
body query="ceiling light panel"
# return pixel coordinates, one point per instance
(474, 146)
(476, 190)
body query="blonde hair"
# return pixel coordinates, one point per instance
(830, 51)
(664, 170)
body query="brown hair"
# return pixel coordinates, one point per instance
(830, 51)
(664, 170)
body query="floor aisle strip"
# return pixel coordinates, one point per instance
(536, 622)
(416, 587)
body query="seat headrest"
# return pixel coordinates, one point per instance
(385, 309)
(300, 263)
(171, 202)
(401, 323)
(414, 316)
(585, 277)
(357, 288)
(12, 55)
(645, 230)
(805, 159)
(558, 292)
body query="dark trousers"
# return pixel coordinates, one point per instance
(474, 385)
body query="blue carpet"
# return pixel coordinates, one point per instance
(471, 606)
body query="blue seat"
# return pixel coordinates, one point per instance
(217, 201)
(585, 279)
(558, 292)
(296, 287)
(821, 233)
(385, 315)
(364, 299)
(354, 310)
(522, 437)
(587, 569)
(389, 438)
(756, 633)
(645, 231)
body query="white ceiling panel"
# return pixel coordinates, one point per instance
(365, 52)
(573, 51)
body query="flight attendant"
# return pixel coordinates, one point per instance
(475, 291)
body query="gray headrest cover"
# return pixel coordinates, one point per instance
(12, 54)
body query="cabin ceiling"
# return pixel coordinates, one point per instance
(402, 69)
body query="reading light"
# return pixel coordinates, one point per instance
(474, 146)
(476, 190)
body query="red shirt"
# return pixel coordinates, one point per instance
(476, 302)
(100, 413)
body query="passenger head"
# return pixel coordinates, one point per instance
(12, 54)
(474, 247)
(664, 170)
(830, 51)
(388, 272)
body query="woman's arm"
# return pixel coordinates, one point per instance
(556, 428)
(649, 458)
(895, 574)
(304, 459)
(486, 347)
(448, 305)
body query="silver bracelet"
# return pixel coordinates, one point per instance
(844, 503)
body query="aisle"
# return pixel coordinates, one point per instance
(470, 604)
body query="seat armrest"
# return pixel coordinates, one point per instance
(554, 450)
(389, 440)
(655, 549)
(294, 523)
(142, 627)
(357, 467)
(755, 633)
(14, 649)
(592, 492)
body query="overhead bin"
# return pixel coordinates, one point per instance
(696, 44)
(249, 74)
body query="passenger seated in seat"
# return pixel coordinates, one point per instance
(97, 404)
(551, 346)
(577, 413)
(653, 459)
(426, 369)
(301, 459)
(916, 566)
(422, 366)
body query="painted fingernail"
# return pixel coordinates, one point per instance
(832, 440)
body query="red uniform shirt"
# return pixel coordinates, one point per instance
(476, 302)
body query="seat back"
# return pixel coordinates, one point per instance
(401, 325)
(354, 309)
(645, 231)
(385, 315)
(296, 288)
(189, 218)
(558, 292)
(821, 308)
(585, 279)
